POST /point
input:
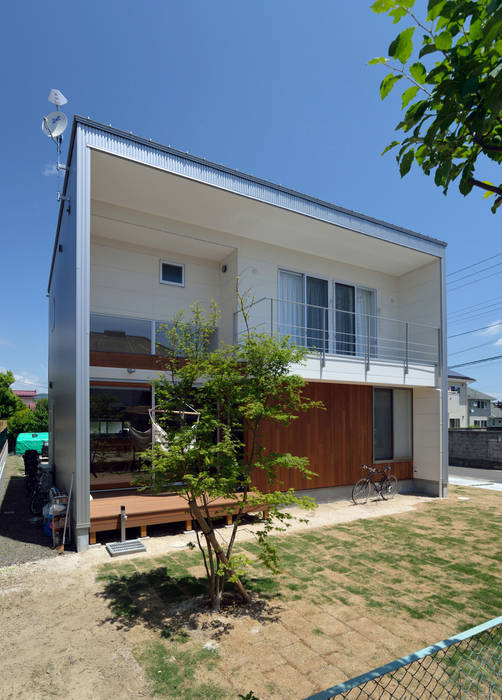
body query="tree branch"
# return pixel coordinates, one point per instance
(408, 77)
(486, 146)
(486, 186)
(417, 21)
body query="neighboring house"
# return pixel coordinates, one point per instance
(27, 396)
(495, 418)
(457, 399)
(145, 231)
(479, 408)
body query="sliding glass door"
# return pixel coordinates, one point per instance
(355, 320)
(291, 306)
(345, 326)
(303, 309)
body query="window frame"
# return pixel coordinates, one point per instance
(394, 459)
(334, 309)
(174, 264)
(304, 276)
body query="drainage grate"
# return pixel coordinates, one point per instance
(115, 549)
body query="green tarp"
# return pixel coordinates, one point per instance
(30, 441)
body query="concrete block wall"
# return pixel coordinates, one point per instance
(475, 448)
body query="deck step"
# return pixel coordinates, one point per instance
(115, 549)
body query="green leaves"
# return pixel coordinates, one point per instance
(387, 84)
(418, 72)
(459, 117)
(402, 46)
(443, 41)
(406, 162)
(408, 95)
(377, 60)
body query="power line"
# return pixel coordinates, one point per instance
(466, 284)
(473, 347)
(480, 305)
(477, 362)
(467, 267)
(483, 328)
(478, 272)
(478, 314)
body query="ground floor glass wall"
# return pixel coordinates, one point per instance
(120, 430)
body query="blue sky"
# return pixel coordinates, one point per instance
(277, 88)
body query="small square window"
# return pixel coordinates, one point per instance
(172, 273)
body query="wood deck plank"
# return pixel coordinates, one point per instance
(143, 509)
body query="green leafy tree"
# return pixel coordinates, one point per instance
(234, 389)
(453, 100)
(9, 402)
(27, 420)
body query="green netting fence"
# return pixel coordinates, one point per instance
(466, 666)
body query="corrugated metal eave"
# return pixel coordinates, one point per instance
(145, 151)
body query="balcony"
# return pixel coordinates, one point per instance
(347, 345)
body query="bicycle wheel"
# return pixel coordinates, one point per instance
(389, 488)
(37, 502)
(361, 491)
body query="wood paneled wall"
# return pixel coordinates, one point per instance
(336, 440)
(125, 359)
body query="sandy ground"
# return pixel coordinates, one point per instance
(58, 638)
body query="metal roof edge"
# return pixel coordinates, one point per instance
(62, 201)
(251, 178)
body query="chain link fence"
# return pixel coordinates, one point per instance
(466, 666)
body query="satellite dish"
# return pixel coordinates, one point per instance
(54, 124)
(57, 98)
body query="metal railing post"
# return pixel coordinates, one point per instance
(323, 354)
(406, 358)
(271, 316)
(367, 343)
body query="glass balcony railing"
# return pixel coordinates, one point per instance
(123, 334)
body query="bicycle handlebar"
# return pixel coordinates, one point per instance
(385, 468)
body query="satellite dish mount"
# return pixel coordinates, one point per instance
(53, 126)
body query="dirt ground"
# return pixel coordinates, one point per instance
(61, 639)
(21, 536)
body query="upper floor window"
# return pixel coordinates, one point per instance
(172, 273)
(479, 404)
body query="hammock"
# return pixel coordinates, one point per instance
(159, 435)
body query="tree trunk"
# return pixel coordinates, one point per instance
(220, 554)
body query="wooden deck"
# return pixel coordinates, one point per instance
(144, 509)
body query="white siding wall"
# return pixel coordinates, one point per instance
(427, 426)
(457, 402)
(419, 295)
(125, 281)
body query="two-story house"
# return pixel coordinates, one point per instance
(458, 411)
(479, 408)
(145, 230)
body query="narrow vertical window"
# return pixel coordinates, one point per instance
(383, 424)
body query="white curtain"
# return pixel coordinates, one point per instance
(291, 306)
(365, 322)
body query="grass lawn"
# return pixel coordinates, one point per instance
(350, 597)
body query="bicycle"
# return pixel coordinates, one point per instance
(43, 484)
(386, 487)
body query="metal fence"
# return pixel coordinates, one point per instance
(466, 666)
(332, 331)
